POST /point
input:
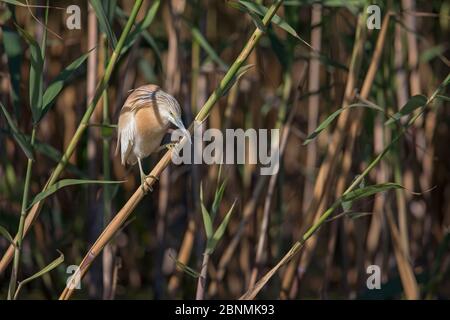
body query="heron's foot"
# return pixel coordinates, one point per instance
(146, 185)
(167, 146)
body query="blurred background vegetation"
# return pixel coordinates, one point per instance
(313, 60)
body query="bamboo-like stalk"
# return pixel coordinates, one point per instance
(183, 255)
(322, 185)
(108, 255)
(377, 222)
(20, 232)
(413, 52)
(313, 115)
(93, 214)
(314, 99)
(252, 292)
(36, 209)
(409, 282)
(23, 212)
(247, 213)
(414, 88)
(287, 87)
(355, 126)
(189, 235)
(134, 200)
(201, 283)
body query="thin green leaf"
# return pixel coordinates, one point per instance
(206, 217)
(14, 53)
(7, 235)
(52, 265)
(280, 48)
(14, 2)
(432, 53)
(370, 190)
(333, 116)
(50, 152)
(109, 7)
(363, 192)
(262, 10)
(22, 142)
(44, 32)
(36, 74)
(357, 215)
(197, 35)
(149, 39)
(145, 35)
(141, 26)
(219, 174)
(64, 183)
(445, 98)
(256, 19)
(415, 102)
(242, 70)
(104, 22)
(55, 155)
(346, 205)
(106, 129)
(212, 243)
(351, 214)
(104, 125)
(188, 270)
(445, 82)
(21, 4)
(58, 83)
(217, 199)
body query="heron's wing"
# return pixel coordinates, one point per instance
(126, 134)
(140, 98)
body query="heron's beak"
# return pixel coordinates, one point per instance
(179, 124)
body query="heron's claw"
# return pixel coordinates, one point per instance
(167, 146)
(145, 185)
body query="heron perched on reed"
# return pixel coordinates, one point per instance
(144, 120)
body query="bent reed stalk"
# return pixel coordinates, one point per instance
(120, 218)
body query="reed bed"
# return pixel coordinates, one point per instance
(363, 179)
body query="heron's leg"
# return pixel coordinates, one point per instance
(144, 177)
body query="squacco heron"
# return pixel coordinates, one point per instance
(144, 120)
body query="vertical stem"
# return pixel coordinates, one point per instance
(264, 231)
(201, 284)
(26, 189)
(325, 174)
(188, 239)
(20, 233)
(313, 101)
(401, 206)
(108, 253)
(93, 215)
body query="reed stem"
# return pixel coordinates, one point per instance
(20, 231)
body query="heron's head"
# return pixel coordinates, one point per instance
(168, 107)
